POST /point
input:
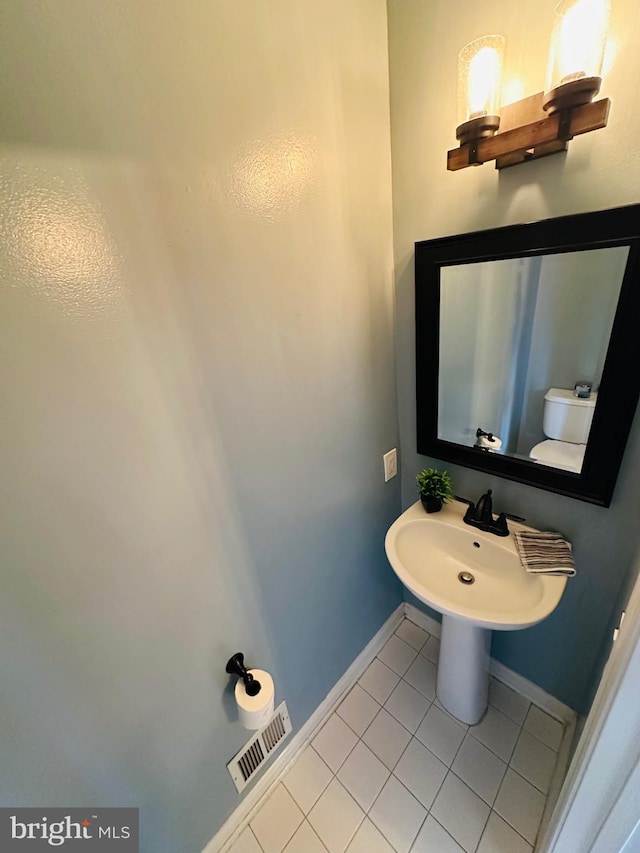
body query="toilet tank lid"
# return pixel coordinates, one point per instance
(562, 395)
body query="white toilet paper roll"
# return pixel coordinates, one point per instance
(254, 712)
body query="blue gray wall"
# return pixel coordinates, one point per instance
(198, 371)
(197, 365)
(564, 654)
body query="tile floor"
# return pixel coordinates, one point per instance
(391, 771)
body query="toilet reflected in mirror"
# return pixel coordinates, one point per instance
(566, 423)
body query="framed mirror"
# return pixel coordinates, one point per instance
(528, 349)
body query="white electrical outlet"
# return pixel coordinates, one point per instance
(390, 460)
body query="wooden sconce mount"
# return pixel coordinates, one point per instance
(528, 132)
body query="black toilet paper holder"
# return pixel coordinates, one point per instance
(235, 666)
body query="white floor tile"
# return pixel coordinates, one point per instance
(307, 779)
(441, 734)
(461, 812)
(363, 775)
(431, 649)
(544, 727)
(432, 838)
(369, 839)
(387, 738)
(246, 843)
(497, 732)
(422, 675)
(398, 815)
(358, 709)
(534, 760)
(499, 837)
(378, 680)
(508, 701)
(334, 742)
(520, 804)
(277, 820)
(456, 771)
(412, 634)
(407, 705)
(397, 654)
(439, 704)
(479, 768)
(421, 772)
(305, 841)
(336, 817)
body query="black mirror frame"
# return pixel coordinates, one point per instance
(620, 385)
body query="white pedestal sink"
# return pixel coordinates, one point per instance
(477, 582)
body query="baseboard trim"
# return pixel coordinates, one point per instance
(532, 692)
(244, 812)
(559, 774)
(422, 620)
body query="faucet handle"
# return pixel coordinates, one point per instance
(500, 526)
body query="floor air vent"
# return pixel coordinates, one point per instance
(252, 757)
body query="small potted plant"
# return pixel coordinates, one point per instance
(435, 488)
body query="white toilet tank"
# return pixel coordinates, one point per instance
(566, 417)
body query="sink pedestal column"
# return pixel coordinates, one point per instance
(463, 669)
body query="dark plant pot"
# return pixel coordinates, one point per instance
(430, 503)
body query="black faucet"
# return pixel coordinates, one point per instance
(480, 515)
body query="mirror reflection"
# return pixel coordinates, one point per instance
(523, 343)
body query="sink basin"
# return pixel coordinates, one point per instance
(428, 552)
(477, 582)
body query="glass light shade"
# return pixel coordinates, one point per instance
(578, 43)
(479, 78)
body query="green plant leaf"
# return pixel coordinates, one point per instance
(435, 484)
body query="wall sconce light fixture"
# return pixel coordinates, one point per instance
(479, 80)
(543, 123)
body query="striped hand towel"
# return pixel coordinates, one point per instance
(545, 552)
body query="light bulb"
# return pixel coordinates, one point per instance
(479, 78)
(578, 43)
